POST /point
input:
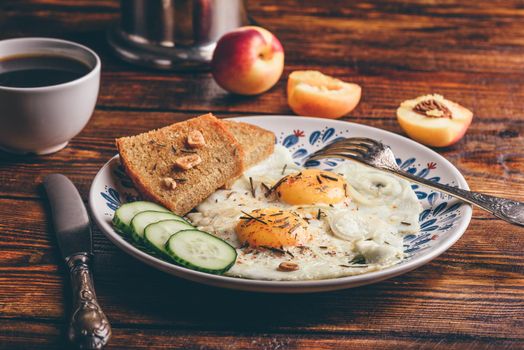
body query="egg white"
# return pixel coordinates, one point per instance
(371, 225)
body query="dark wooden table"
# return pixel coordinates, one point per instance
(471, 297)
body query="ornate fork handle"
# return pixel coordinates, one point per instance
(89, 327)
(505, 209)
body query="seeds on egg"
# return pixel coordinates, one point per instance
(313, 248)
(273, 233)
(287, 266)
(311, 186)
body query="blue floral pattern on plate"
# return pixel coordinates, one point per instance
(438, 217)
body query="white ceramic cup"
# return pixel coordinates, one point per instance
(42, 120)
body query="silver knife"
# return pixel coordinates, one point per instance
(89, 327)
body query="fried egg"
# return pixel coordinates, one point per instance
(346, 221)
(272, 227)
(312, 186)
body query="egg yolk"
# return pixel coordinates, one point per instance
(312, 186)
(272, 227)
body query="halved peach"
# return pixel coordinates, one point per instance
(314, 94)
(433, 120)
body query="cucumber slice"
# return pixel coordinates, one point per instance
(126, 212)
(201, 251)
(157, 234)
(143, 219)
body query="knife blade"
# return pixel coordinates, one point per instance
(89, 327)
(70, 219)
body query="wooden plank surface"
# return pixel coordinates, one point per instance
(489, 142)
(471, 297)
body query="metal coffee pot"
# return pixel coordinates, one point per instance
(174, 34)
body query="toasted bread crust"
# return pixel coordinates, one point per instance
(148, 158)
(258, 143)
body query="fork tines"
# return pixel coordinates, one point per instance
(355, 148)
(344, 155)
(361, 142)
(355, 143)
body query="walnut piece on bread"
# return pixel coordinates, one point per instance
(195, 139)
(230, 148)
(188, 162)
(169, 183)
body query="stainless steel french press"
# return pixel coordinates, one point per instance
(174, 34)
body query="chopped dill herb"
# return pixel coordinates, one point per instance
(251, 185)
(358, 260)
(254, 218)
(329, 177)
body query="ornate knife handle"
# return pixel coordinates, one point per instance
(505, 209)
(89, 327)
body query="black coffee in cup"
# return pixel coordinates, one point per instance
(29, 71)
(48, 92)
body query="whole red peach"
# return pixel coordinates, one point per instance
(248, 61)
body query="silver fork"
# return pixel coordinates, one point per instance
(379, 156)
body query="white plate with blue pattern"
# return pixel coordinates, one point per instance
(442, 221)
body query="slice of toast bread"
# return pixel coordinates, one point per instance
(149, 160)
(258, 143)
